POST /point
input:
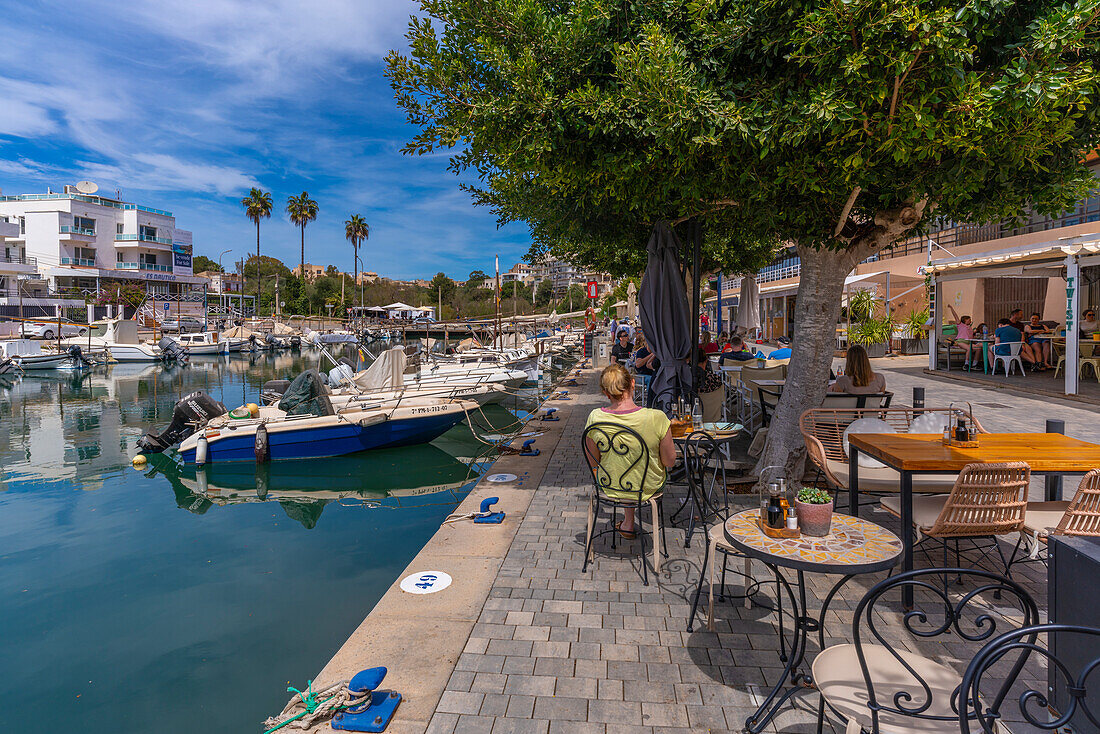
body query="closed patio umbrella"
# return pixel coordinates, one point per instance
(665, 314)
(748, 306)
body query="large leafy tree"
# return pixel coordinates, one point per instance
(837, 128)
(302, 211)
(257, 205)
(357, 231)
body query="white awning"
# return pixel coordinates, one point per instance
(1050, 251)
(400, 307)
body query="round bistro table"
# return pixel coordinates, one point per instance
(854, 546)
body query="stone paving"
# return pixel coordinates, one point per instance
(557, 650)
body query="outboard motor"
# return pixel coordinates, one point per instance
(273, 391)
(78, 355)
(295, 342)
(170, 349)
(190, 414)
(270, 341)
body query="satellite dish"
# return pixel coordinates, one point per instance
(87, 187)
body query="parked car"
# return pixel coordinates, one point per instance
(48, 329)
(182, 325)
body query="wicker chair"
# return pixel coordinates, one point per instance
(987, 500)
(823, 431)
(1080, 516)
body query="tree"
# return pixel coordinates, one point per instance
(834, 128)
(476, 281)
(544, 292)
(257, 206)
(357, 231)
(302, 211)
(202, 264)
(441, 284)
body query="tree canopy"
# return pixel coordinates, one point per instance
(202, 264)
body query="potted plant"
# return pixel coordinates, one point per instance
(869, 329)
(814, 508)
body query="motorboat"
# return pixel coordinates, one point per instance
(203, 343)
(26, 355)
(119, 337)
(6, 365)
(304, 425)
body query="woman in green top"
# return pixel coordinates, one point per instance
(652, 425)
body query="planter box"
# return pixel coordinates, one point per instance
(875, 350)
(911, 346)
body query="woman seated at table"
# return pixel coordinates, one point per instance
(1033, 335)
(858, 378)
(1089, 327)
(652, 425)
(709, 386)
(1006, 334)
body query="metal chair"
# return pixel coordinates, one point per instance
(987, 500)
(624, 487)
(769, 399)
(880, 683)
(701, 456)
(984, 709)
(1013, 357)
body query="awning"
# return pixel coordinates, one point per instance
(400, 307)
(1050, 251)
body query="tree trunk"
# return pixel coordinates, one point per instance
(302, 266)
(259, 280)
(817, 309)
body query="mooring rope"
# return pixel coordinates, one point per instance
(308, 707)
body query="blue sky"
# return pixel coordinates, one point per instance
(185, 104)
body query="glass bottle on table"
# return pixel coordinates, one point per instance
(696, 416)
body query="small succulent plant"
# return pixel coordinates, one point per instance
(814, 496)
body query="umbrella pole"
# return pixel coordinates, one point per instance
(696, 266)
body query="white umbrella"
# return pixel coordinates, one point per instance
(748, 305)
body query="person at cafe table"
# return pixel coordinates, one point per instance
(620, 351)
(858, 377)
(1039, 346)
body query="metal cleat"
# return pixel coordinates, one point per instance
(549, 415)
(526, 449)
(373, 715)
(488, 517)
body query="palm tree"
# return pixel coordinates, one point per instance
(357, 231)
(302, 211)
(257, 206)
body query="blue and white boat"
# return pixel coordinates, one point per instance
(305, 425)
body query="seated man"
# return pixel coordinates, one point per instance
(620, 351)
(1040, 347)
(739, 351)
(1027, 353)
(1004, 335)
(784, 351)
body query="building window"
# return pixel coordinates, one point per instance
(118, 257)
(22, 225)
(148, 258)
(147, 232)
(118, 228)
(84, 223)
(85, 253)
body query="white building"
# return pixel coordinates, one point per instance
(78, 240)
(562, 275)
(15, 266)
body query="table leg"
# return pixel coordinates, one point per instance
(985, 358)
(1053, 486)
(804, 626)
(907, 534)
(853, 481)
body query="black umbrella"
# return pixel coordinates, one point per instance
(665, 315)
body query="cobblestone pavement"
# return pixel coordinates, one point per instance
(557, 650)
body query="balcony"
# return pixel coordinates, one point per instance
(78, 262)
(143, 266)
(142, 238)
(70, 233)
(18, 263)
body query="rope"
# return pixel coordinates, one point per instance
(457, 516)
(307, 707)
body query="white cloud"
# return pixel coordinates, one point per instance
(159, 172)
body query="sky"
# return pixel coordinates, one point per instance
(185, 104)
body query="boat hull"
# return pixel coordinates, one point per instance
(335, 438)
(45, 362)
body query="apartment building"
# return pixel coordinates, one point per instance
(221, 283)
(897, 275)
(562, 275)
(312, 271)
(15, 266)
(76, 239)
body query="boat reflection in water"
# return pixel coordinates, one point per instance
(413, 476)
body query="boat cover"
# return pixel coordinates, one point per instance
(307, 395)
(387, 372)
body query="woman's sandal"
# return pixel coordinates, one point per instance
(628, 534)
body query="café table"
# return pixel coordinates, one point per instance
(720, 440)
(1053, 454)
(853, 546)
(982, 344)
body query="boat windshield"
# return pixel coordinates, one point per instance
(99, 330)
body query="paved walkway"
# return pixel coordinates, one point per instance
(555, 650)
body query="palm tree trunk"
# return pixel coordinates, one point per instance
(259, 280)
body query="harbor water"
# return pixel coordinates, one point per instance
(167, 600)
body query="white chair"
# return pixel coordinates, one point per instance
(1013, 357)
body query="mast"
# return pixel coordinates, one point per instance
(500, 332)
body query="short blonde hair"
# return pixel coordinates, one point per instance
(615, 381)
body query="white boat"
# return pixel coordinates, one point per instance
(203, 343)
(6, 366)
(384, 382)
(119, 337)
(27, 355)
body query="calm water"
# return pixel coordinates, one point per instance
(139, 601)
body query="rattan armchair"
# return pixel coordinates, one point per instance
(987, 500)
(1080, 516)
(823, 432)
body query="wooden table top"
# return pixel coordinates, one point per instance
(1043, 452)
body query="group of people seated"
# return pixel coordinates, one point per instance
(1033, 336)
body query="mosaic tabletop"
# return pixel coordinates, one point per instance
(854, 545)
